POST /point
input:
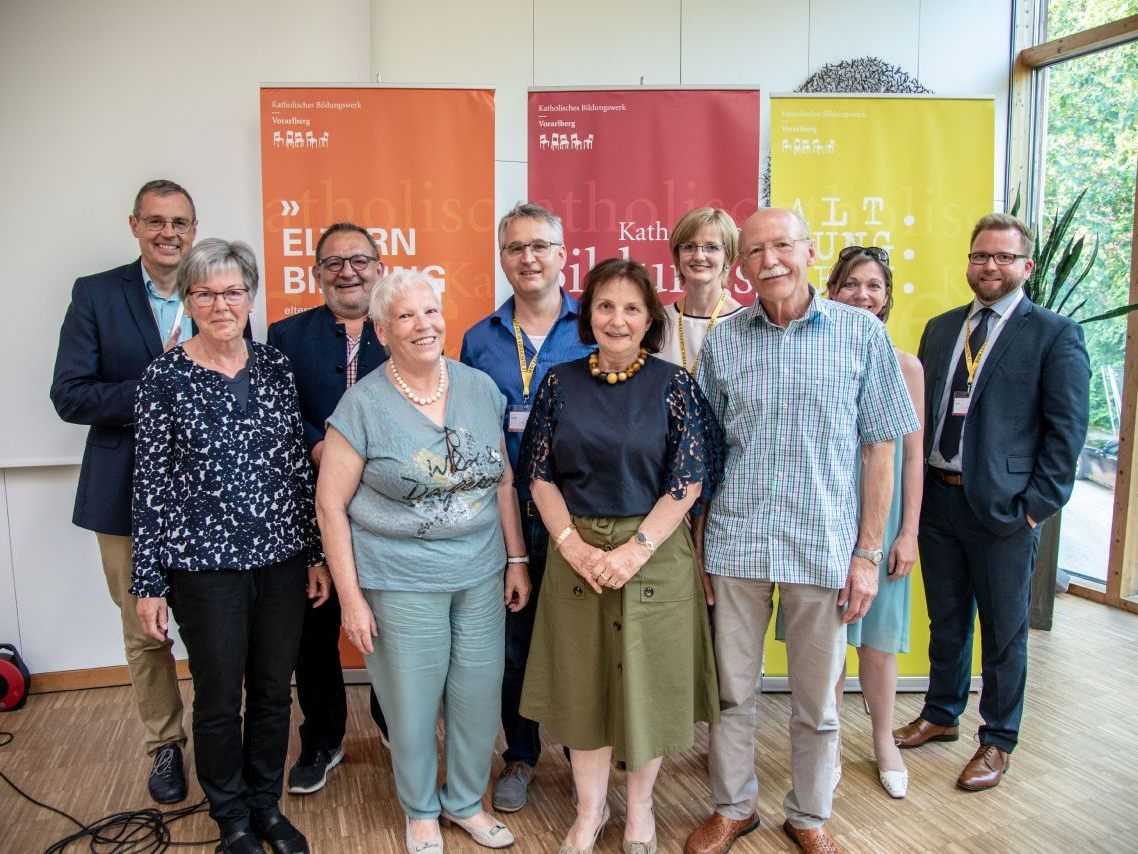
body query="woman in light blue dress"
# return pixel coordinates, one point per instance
(862, 278)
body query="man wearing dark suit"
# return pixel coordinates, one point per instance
(1007, 390)
(331, 347)
(119, 321)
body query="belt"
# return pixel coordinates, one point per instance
(528, 508)
(952, 478)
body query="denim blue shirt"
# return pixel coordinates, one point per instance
(490, 347)
(165, 309)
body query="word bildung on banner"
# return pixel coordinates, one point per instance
(620, 166)
(414, 166)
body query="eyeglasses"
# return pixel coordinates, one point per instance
(539, 248)
(206, 298)
(158, 223)
(1002, 259)
(707, 248)
(779, 247)
(875, 252)
(334, 263)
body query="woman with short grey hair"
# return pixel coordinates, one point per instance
(225, 535)
(420, 522)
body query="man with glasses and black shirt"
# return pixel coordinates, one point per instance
(117, 323)
(331, 348)
(1007, 396)
(530, 332)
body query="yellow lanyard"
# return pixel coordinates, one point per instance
(710, 324)
(527, 370)
(970, 364)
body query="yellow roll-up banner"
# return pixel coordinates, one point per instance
(910, 174)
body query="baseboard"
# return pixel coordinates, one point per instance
(905, 684)
(93, 677)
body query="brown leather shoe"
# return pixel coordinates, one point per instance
(718, 833)
(920, 731)
(985, 769)
(816, 840)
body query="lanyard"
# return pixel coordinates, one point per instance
(710, 324)
(972, 364)
(527, 370)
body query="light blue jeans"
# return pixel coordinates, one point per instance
(440, 648)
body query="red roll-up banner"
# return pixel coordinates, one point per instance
(620, 166)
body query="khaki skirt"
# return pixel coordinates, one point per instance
(631, 668)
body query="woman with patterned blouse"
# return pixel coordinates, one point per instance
(420, 517)
(225, 532)
(618, 448)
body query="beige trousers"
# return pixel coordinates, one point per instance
(815, 640)
(151, 662)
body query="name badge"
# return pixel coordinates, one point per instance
(517, 416)
(960, 403)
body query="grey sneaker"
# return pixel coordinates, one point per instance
(310, 772)
(510, 787)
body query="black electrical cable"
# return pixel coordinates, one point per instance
(131, 832)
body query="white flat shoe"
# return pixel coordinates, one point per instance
(896, 783)
(495, 836)
(431, 846)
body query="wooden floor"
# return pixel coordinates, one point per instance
(1073, 784)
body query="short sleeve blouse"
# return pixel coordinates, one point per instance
(425, 515)
(615, 450)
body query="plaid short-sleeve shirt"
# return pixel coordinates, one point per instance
(796, 405)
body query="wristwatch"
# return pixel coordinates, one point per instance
(873, 556)
(644, 541)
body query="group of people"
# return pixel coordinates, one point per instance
(580, 524)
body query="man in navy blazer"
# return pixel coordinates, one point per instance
(1007, 394)
(117, 323)
(330, 347)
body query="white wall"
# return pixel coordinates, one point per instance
(100, 97)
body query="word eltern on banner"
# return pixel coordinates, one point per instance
(621, 166)
(415, 167)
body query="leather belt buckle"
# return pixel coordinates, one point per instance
(952, 478)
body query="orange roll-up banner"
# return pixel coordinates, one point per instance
(415, 166)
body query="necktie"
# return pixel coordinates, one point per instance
(954, 424)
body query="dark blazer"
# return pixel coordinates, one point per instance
(107, 339)
(1027, 419)
(314, 342)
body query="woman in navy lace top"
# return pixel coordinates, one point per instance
(225, 531)
(618, 448)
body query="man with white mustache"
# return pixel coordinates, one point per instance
(117, 323)
(802, 386)
(331, 347)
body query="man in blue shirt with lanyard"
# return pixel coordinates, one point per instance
(117, 323)
(530, 332)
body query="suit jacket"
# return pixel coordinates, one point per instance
(107, 339)
(314, 342)
(1027, 418)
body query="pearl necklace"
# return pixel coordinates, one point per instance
(410, 395)
(614, 377)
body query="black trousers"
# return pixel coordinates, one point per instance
(320, 680)
(523, 743)
(968, 570)
(242, 630)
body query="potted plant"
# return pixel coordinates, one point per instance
(1060, 268)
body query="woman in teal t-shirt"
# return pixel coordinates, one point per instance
(419, 516)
